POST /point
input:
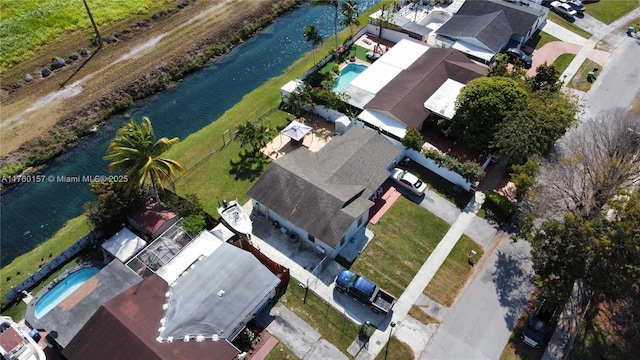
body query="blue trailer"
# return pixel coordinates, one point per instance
(365, 291)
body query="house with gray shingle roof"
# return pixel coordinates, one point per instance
(323, 197)
(483, 28)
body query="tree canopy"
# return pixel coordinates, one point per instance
(135, 151)
(604, 251)
(113, 204)
(482, 106)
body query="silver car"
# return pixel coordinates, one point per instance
(409, 181)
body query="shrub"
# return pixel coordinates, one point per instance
(412, 139)
(499, 205)
(469, 170)
(193, 224)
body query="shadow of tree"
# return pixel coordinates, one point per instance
(64, 83)
(510, 278)
(250, 166)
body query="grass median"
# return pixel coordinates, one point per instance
(454, 272)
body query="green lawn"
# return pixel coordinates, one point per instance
(17, 271)
(567, 25)
(563, 61)
(281, 352)
(608, 11)
(579, 80)
(27, 24)
(405, 237)
(539, 39)
(454, 272)
(396, 350)
(331, 324)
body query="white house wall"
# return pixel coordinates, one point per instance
(388, 34)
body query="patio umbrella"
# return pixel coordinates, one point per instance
(296, 130)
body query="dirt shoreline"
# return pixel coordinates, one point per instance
(45, 117)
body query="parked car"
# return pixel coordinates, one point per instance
(540, 325)
(577, 5)
(564, 10)
(516, 54)
(365, 291)
(409, 181)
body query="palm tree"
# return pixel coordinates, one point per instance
(255, 134)
(333, 3)
(311, 34)
(135, 151)
(349, 11)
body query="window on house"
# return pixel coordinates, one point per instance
(360, 221)
(342, 241)
(311, 238)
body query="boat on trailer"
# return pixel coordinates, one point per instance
(235, 218)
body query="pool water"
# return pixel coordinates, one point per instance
(63, 289)
(348, 73)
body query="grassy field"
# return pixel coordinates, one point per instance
(331, 324)
(579, 80)
(454, 272)
(608, 11)
(14, 273)
(27, 24)
(563, 61)
(567, 25)
(281, 352)
(405, 237)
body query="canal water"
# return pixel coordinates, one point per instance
(31, 212)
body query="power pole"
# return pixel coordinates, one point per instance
(95, 27)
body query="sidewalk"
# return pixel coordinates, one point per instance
(563, 34)
(573, 68)
(424, 276)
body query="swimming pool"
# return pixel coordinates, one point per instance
(63, 289)
(347, 75)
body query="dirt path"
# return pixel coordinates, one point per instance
(81, 90)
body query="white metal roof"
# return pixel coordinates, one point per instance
(383, 122)
(473, 50)
(205, 244)
(443, 101)
(124, 244)
(366, 85)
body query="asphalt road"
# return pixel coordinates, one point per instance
(618, 82)
(479, 324)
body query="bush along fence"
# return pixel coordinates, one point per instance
(47, 269)
(449, 168)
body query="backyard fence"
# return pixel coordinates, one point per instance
(47, 269)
